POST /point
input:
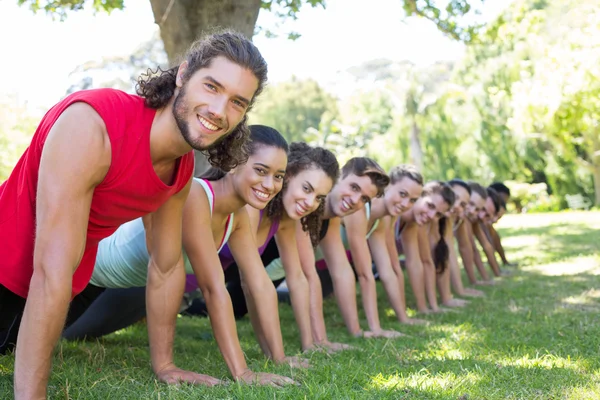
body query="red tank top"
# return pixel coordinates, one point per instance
(130, 189)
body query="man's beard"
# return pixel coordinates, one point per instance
(180, 111)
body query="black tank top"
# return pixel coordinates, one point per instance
(324, 228)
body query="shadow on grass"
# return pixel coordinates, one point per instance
(476, 378)
(553, 242)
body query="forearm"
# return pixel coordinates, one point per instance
(41, 326)
(345, 294)
(443, 284)
(263, 299)
(317, 321)
(466, 255)
(394, 289)
(455, 277)
(222, 320)
(414, 268)
(163, 299)
(498, 244)
(300, 297)
(429, 275)
(255, 322)
(368, 291)
(479, 263)
(491, 257)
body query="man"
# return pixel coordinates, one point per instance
(504, 194)
(98, 159)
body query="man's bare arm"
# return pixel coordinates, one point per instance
(356, 230)
(75, 159)
(342, 276)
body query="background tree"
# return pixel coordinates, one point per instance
(294, 106)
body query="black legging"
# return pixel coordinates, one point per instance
(234, 286)
(11, 311)
(97, 312)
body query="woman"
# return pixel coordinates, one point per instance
(413, 230)
(310, 175)
(214, 213)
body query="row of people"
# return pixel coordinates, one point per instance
(102, 210)
(248, 206)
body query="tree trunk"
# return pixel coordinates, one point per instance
(595, 164)
(181, 22)
(596, 174)
(416, 152)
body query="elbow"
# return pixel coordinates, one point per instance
(58, 282)
(259, 288)
(213, 290)
(488, 249)
(365, 277)
(297, 279)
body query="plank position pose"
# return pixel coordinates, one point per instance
(101, 158)
(362, 180)
(413, 229)
(476, 213)
(295, 213)
(368, 236)
(504, 196)
(214, 214)
(444, 228)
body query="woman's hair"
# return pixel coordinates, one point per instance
(461, 183)
(405, 171)
(500, 188)
(361, 166)
(158, 87)
(300, 158)
(441, 251)
(493, 194)
(477, 188)
(260, 136)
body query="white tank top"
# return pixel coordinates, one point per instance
(122, 259)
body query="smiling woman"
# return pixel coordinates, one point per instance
(296, 210)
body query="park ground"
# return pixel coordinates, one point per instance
(535, 335)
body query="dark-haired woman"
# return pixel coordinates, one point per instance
(297, 209)
(214, 213)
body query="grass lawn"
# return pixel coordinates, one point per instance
(536, 335)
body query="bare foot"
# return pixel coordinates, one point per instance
(473, 293)
(440, 310)
(414, 321)
(455, 303)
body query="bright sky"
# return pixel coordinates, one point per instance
(38, 53)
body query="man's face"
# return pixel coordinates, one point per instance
(476, 209)
(462, 201)
(401, 196)
(212, 103)
(350, 194)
